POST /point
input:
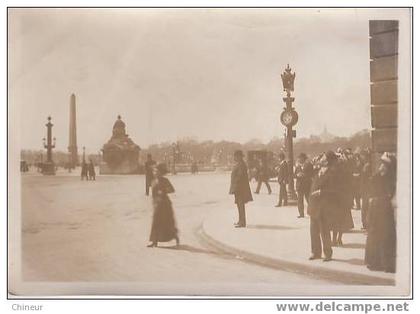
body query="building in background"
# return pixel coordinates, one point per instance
(120, 153)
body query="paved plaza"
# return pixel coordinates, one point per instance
(98, 231)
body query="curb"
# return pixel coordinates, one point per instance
(343, 277)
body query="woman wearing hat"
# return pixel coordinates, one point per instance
(239, 187)
(163, 225)
(380, 251)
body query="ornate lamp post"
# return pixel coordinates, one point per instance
(49, 167)
(289, 118)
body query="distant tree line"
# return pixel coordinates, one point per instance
(209, 152)
(188, 150)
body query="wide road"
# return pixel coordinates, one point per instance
(97, 231)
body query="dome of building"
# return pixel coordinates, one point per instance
(118, 131)
(119, 124)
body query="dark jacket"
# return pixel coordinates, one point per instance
(303, 174)
(239, 183)
(282, 172)
(324, 198)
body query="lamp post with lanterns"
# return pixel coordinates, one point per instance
(48, 168)
(289, 118)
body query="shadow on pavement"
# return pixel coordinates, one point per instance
(270, 227)
(352, 261)
(353, 246)
(189, 248)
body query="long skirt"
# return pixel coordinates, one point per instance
(163, 225)
(344, 218)
(380, 251)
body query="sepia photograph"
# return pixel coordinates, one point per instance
(209, 152)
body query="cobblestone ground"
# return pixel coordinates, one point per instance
(75, 230)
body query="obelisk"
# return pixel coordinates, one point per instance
(73, 158)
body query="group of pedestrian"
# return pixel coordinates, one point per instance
(344, 181)
(88, 171)
(333, 184)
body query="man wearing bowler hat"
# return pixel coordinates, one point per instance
(239, 187)
(303, 174)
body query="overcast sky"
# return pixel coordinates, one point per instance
(203, 73)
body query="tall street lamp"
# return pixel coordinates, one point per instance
(48, 168)
(289, 118)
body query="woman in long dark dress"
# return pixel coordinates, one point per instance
(163, 225)
(380, 251)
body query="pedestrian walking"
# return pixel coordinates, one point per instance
(303, 173)
(262, 176)
(148, 166)
(380, 253)
(163, 225)
(323, 203)
(91, 171)
(282, 178)
(84, 171)
(239, 187)
(194, 167)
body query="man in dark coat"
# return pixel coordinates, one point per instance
(303, 173)
(282, 178)
(239, 186)
(148, 165)
(91, 171)
(262, 176)
(323, 203)
(84, 171)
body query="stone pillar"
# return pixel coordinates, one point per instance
(73, 157)
(384, 85)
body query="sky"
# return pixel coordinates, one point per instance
(209, 74)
